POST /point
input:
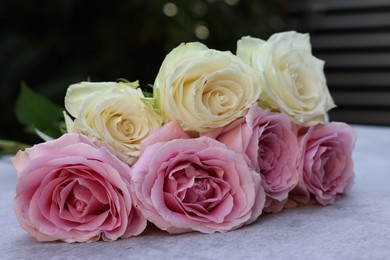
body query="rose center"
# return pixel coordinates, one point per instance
(202, 186)
(298, 84)
(221, 98)
(265, 154)
(218, 99)
(126, 127)
(79, 205)
(269, 158)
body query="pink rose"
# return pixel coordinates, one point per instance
(185, 184)
(70, 190)
(269, 144)
(326, 166)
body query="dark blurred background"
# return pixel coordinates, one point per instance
(52, 44)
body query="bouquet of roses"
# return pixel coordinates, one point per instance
(222, 139)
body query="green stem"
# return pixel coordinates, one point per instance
(11, 147)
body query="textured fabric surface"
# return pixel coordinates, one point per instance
(356, 227)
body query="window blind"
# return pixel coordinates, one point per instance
(353, 38)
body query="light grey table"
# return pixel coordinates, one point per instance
(356, 227)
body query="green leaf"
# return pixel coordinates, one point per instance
(36, 111)
(150, 102)
(43, 136)
(123, 83)
(147, 94)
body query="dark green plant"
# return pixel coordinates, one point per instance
(52, 44)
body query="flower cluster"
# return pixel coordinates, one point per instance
(223, 139)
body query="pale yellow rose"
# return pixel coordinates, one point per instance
(113, 115)
(203, 88)
(294, 79)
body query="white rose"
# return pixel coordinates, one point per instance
(203, 88)
(294, 79)
(112, 115)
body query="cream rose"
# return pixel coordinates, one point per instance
(203, 88)
(113, 115)
(295, 80)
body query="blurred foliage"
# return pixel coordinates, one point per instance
(52, 44)
(38, 113)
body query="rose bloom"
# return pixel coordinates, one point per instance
(68, 189)
(203, 88)
(294, 79)
(184, 184)
(270, 146)
(326, 166)
(113, 115)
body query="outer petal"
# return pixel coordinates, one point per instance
(76, 94)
